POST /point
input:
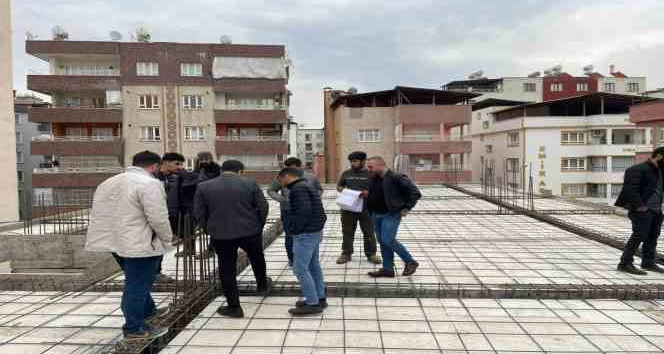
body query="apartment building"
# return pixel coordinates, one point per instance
(649, 115)
(577, 147)
(9, 209)
(552, 86)
(422, 132)
(26, 163)
(310, 143)
(113, 99)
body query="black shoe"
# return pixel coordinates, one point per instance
(653, 268)
(630, 269)
(411, 267)
(321, 302)
(306, 310)
(344, 258)
(148, 334)
(264, 290)
(382, 273)
(231, 311)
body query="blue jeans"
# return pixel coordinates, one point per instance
(288, 239)
(137, 303)
(306, 266)
(386, 227)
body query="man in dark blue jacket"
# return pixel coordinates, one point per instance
(391, 196)
(642, 195)
(306, 220)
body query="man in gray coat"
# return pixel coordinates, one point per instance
(232, 210)
(280, 194)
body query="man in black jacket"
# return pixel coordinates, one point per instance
(642, 195)
(306, 220)
(171, 165)
(233, 210)
(356, 178)
(391, 196)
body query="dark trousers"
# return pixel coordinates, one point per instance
(349, 222)
(137, 303)
(227, 253)
(288, 239)
(645, 229)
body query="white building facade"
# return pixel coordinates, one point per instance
(573, 155)
(310, 142)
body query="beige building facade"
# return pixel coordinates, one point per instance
(9, 209)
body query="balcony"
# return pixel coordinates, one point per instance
(44, 49)
(74, 146)
(251, 145)
(248, 115)
(75, 115)
(431, 144)
(48, 84)
(252, 86)
(72, 177)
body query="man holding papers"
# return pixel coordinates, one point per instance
(353, 186)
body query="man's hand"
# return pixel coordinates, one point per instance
(404, 213)
(642, 209)
(364, 194)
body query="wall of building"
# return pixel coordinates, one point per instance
(30, 162)
(569, 86)
(513, 89)
(9, 209)
(135, 118)
(349, 120)
(316, 141)
(203, 117)
(621, 84)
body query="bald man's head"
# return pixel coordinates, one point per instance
(376, 165)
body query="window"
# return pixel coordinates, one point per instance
(44, 127)
(307, 137)
(147, 68)
(485, 125)
(19, 137)
(19, 176)
(557, 87)
(192, 101)
(75, 133)
(189, 164)
(573, 164)
(582, 86)
(148, 102)
(615, 190)
(191, 69)
(529, 87)
(17, 118)
(73, 101)
(194, 133)
(308, 146)
(513, 139)
(660, 134)
(99, 102)
(150, 134)
(19, 157)
(598, 164)
(574, 190)
(369, 135)
(572, 138)
(610, 86)
(622, 163)
(308, 156)
(632, 87)
(512, 164)
(102, 133)
(95, 70)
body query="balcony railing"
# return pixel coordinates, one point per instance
(444, 167)
(253, 138)
(87, 169)
(76, 138)
(427, 138)
(252, 107)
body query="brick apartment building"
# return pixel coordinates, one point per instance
(552, 86)
(113, 99)
(418, 131)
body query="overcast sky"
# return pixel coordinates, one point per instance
(375, 45)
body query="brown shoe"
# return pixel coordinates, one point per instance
(374, 259)
(411, 267)
(344, 258)
(382, 273)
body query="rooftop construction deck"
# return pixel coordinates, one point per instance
(494, 277)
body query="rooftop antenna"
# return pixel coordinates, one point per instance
(59, 33)
(115, 36)
(143, 35)
(225, 39)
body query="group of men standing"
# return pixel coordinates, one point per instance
(136, 214)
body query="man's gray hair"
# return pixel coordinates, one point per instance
(377, 159)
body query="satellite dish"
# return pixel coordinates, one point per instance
(225, 39)
(59, 33)
(588, 69)
(535, 74)
(476, 75)
(142, 35)
(352, 90)
(115, 36)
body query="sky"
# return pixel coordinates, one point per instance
(377, 44)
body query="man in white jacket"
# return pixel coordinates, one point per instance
(129, 218)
